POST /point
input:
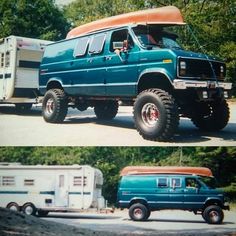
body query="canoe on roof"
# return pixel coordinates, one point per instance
(168, 15)
(138, 170)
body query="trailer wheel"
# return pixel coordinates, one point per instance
(138, 212)
(55, 106)
(213, 215)
(29, 209)
(106, 110)
(42, 213)
(156, 115)
(13, 206)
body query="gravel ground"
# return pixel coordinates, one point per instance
(17, 224)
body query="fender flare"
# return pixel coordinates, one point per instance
(161, 71)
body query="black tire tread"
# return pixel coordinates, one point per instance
(218, 120)
(209, 208)
(106, 110)
(172, 121)
(61, 106)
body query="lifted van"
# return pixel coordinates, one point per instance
(135, 58)
(146, 189)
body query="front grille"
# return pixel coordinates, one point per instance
(202, 69)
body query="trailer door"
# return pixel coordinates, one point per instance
(61, 191)
(7, 64)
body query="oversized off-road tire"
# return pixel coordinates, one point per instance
(29, 209)
(13, 206)
(106, 110)
(139, 212)
(55, 106)
(23, 107)
(213, 215)
(156, 115)
(42, 213)
(211, 116)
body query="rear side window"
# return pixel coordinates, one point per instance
(175, 182)
(81, 47)
(162, 182)
(96, 44)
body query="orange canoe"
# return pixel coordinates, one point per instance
(138, 170)
(169, 15)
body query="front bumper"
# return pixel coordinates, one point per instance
(226, 206)
(184, 84)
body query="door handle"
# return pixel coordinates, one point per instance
(108, 58)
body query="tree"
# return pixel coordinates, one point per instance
(34, 19)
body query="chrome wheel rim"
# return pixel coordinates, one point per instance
(13, 208)
(214, 216)
(28, 210)
(138, 214)
(150, 114)
(50, 105)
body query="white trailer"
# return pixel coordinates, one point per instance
(20, 58)
(41, 189)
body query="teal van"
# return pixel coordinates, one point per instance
(144, 193)
(138, 64)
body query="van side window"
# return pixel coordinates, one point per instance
(81, 47)
(96, 44)
(162, 182)
(192, 183)
(175, 182)
(119, 37)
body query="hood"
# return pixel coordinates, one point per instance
(189, 54)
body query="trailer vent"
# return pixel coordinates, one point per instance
(29, 182)
(78, 181)
(8, 181)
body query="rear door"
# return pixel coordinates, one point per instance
(6, 68)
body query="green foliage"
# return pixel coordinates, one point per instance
(110, 160)
(34, 19)
(230, 191)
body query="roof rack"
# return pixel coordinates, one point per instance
(148, 170)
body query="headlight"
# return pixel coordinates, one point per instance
(183, 67)
(222, 69)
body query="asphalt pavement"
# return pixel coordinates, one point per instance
(83, 129)
(160, 222)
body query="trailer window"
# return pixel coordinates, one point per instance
(78, 181)
(162, 182)
(7, 62)
(81, 47)
(61, 181)
(97, 43)
(29, 182)
(8, 181)
(2, 60)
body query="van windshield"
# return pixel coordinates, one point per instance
(151, 36)
(209, 182)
